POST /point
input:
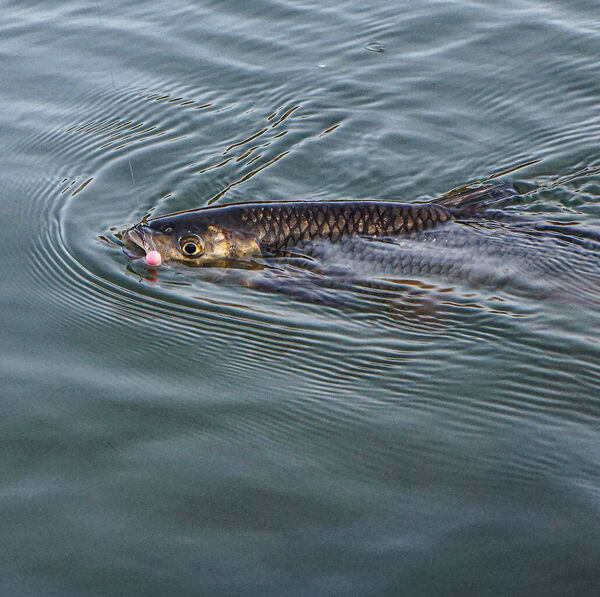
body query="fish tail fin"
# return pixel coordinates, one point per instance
(471, 199)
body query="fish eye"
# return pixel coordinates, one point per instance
(192, 247)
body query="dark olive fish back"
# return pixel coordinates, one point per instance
(282, 225)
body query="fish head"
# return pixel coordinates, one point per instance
(194, 244)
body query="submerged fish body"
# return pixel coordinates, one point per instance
(230, 234)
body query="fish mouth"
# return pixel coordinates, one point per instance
(136, 241)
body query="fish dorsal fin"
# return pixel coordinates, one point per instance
(470, 199)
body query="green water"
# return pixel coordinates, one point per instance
(184, 436)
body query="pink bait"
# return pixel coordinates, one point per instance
(153, 258)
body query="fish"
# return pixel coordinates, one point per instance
(230, 235)
(315, 251)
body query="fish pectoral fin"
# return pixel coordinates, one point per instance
(295, 255)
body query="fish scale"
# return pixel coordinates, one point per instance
(279, 226)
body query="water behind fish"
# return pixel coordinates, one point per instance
(189, 435)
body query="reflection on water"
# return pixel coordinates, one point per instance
(317, 426)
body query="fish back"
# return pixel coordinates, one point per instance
(282, 225)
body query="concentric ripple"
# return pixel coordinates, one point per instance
(100, 156)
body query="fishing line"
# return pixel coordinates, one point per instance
(112, 78)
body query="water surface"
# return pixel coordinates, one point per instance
(188, 436)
